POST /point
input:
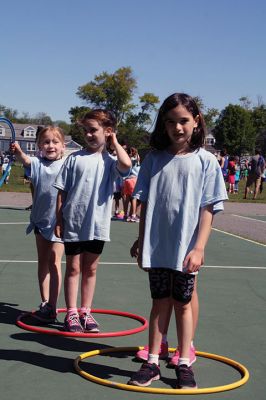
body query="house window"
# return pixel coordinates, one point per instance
(30, 132)
(31, 146)
(2, 131)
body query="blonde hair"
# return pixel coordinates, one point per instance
(58, 132)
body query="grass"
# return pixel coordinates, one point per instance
(16, 184)
(16, 181)
(238, 197)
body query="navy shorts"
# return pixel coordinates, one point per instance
(165, 282)
(91, 246)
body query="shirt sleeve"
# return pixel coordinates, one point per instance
(214, 190)
(63, 180)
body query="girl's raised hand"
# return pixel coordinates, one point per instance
(112, 138)
(15, 148)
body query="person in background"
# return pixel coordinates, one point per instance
(237, 174)
(231, 174)
(257, 166)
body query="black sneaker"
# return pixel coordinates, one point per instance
(146, 374)
(45, 314)
(88, 323)
(185, 377)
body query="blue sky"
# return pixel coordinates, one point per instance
(213, 49)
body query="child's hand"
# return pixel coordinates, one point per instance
(15, 148)
(58, 230)
(112, 139)
(194, 260)
(134, 251)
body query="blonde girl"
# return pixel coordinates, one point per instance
(42, 171)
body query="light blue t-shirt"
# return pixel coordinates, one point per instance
(42, 174)
(88, 180)
(175, 189)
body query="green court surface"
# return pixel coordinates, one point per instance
(232, 320)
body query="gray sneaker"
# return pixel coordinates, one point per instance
(145, 376)
(72, 323)
(88, 323)
(185, 377)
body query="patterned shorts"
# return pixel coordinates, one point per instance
(170, 283)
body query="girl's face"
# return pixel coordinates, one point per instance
(95, 135)
(179, 125)
(51, 146)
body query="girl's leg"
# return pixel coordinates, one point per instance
(133, 207)
(195, 306)
(89, 263)
(159, 320)
(163, 354)
(49, 254)
(71, 282)
(56, 253)
(43, 266)
(116, 205)
(184, 326)
(126, 203)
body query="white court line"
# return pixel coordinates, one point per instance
(239, 237)
(251, 219)
(132, 263)
(14, 223)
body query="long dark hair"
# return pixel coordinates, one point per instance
(159, 137)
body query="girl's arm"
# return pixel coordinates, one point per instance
(195, 258)
(123, 160)
(21, 156)
(59, 214)
(137, 247)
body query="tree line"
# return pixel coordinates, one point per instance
(238, 127)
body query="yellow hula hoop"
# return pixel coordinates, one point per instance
(241, 369)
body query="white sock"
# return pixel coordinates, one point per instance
(183, 361)
(84, 310)
(153, 359)
(72, 310)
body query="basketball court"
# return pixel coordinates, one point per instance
(232, 319)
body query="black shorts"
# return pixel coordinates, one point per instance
(165, 282)
(91, 246)
(117, 195)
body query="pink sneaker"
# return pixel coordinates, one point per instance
(142, 355)
(192, 357)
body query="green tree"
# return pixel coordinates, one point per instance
(64, 125)
(116, 92)
(235, 131)
(112, 91)
(245, 102)
(8, 113)
(210, 114)
(42, 119)
(259, 121)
